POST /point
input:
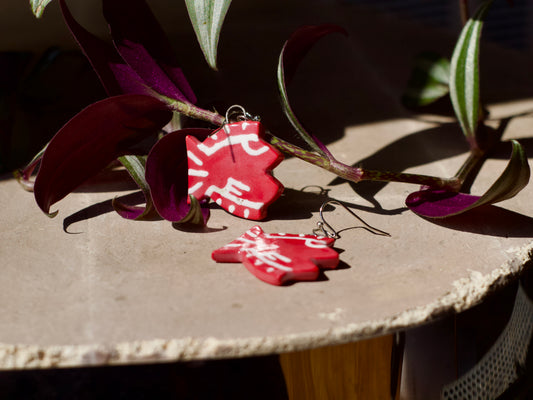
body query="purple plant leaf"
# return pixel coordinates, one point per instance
(433, 203)
(116, 76)
(294, 50)
(167, 175)
(147, 51)
(136, 167)
(92, 139)
(138, 213)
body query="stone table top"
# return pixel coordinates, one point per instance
(90, 288)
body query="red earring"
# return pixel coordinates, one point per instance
(278, 258)
(234, 167)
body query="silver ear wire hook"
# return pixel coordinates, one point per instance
(325, 229)
(237, 113)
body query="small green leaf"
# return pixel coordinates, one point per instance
(136, 167)
(207, 17)
(464, 75)
(194, 216)
(38, 6)
(513, 179)
(429, 80)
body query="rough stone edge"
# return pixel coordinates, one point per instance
(466, 293)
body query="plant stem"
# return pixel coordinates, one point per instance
(355, 174)
(326, 160)
(463, 10)
(471, 162)
(198, 113)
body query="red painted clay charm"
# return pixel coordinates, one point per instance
(233, 167)
(278, 258)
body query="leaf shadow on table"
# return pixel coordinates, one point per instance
(132, 199)
(103, 207)
(491, 221)
(300, 204)
(420, 148)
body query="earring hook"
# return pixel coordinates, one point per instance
(238, 113)
(327, 230)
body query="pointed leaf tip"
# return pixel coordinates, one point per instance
(207, 18)
(38, 6)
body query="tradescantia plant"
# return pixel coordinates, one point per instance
(147, 91)
(207, 17)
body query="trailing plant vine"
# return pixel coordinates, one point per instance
(147, 90)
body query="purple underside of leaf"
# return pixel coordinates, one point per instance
(94, 138)
(433, 203)
(146, 50)
(301, 42)
(116, 76)
(135, 212)
(128, 211)
(167, 174)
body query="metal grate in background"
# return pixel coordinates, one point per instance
(508, 25)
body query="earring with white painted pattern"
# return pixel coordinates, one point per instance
(233, 166)
(278, 258)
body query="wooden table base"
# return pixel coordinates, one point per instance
(360, 370)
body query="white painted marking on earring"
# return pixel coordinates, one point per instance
(194, 158)
(194, 188)
(198, 172)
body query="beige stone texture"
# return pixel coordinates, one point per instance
(105, 290)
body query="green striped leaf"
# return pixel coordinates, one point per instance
(513, 179)
(207, 17)
(464, 75)
(38, 6)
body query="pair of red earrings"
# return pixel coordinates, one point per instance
(234, 167)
